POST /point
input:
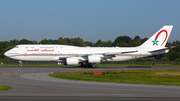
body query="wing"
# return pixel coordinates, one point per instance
(107, 55)
(114, 53)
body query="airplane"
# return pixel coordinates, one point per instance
(89, 56)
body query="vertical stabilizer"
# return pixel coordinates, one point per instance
(159, 39)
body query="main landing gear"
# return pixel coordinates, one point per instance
(84, 64)
(20, 64)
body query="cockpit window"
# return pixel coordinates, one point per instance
(16, 47)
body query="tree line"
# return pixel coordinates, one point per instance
(120, 41)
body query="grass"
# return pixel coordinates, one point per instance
(4, 87)
(152, 77)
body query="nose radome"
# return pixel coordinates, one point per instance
(6, 54)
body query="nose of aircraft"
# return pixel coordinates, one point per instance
(6, 54)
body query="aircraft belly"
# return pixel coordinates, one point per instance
(37, 58)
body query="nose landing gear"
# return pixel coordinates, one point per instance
(20, 64)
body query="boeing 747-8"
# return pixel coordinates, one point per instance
(89, 56)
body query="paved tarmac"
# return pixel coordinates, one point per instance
(33, 81)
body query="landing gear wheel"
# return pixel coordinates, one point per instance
(92, 65)
(82, 65)
(87, 65)
(20, 64)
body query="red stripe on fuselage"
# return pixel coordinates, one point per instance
(44, 55)
(75, 55)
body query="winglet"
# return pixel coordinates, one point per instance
(159, 39)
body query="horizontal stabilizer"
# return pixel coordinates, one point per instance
(157, 50)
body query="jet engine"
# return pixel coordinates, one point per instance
(94, 59)
(71, 61)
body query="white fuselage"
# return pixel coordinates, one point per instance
(57, 52)
(88, 56)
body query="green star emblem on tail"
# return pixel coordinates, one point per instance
(155, 42)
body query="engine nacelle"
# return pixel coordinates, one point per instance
(94, 59)
(71, 61)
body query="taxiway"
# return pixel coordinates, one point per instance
(33, 81)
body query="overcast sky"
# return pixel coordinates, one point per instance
(87, 19)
